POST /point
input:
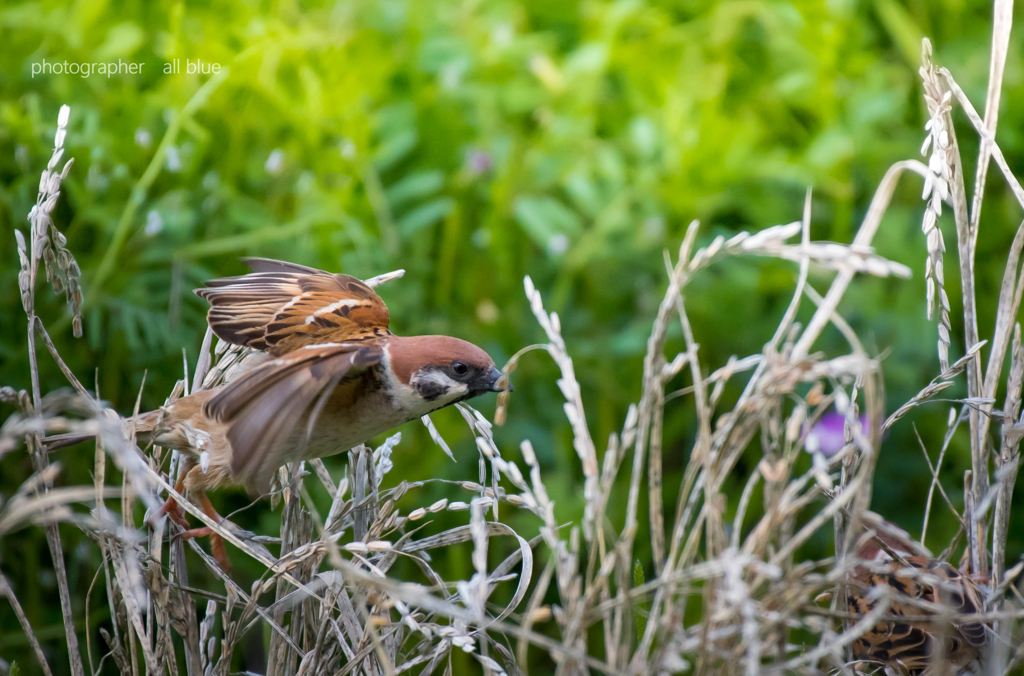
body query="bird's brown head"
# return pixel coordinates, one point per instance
(896, 540)
(442, 370)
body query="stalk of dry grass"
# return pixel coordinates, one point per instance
(729, 593)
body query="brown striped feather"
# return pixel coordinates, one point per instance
(908, 647)
(281, 307)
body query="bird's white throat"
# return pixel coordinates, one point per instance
(409, 397)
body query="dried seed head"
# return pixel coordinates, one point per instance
(529, 457)
(54, 159)
(539, 614)
(48, 243)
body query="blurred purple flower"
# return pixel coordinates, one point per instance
(828, 435)
(479, 162)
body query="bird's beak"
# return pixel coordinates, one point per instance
(494, 377)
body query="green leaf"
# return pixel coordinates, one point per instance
(902, 29)
(638, 580)
(644, 136)
(122, 40)
(589, 58)
(414, 186)
(394, 149)
(424, 216)
(543, 217)
(584, 193)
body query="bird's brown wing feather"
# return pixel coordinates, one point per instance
(911, 644)
(961, 594)
(263, 407)
(892, 642)
(281, 307)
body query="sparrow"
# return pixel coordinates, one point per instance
(917, 584)
(331, 376)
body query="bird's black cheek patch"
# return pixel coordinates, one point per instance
(430, 389)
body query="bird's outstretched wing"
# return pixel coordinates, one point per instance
(280, 307)
(264, 407)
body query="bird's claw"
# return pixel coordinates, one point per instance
(220, 552)
(173, 511)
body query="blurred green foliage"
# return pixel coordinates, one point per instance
(473, 143)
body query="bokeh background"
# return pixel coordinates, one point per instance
(472, 143)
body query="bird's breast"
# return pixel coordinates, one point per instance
(353, 414)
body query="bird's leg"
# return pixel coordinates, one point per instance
(220, 552)
(171, 508)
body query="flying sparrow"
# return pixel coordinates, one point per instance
(333, 376)
(917, 585)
